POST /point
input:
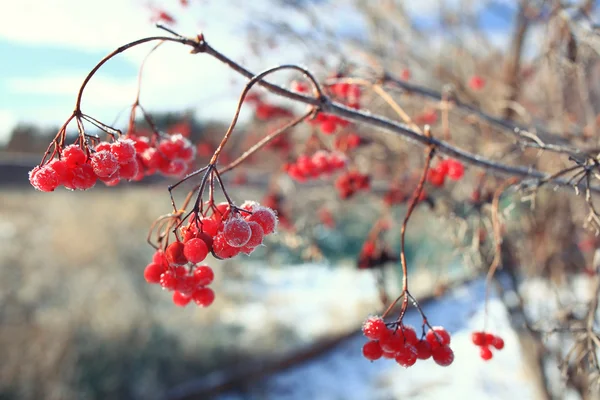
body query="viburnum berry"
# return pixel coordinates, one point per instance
(265, 217)
(393, 342)
(195, 250)
(485, 353)
(328, 126)
(83, 177)
(478, 338)
(372, 350)
(237, 232)
(438, 337)
(410, 336)
(128, 170)
(374, 328)
(222, 249)
(168, 280)
(423, 349)
(180, 299)
(123, 150)
(153, 272)
(204, 275)
(498, 343)
(104, 163)
(436, 177)
(256, 238)
(476, 82)
(44, 178)
(407, 356)
(455, 168)
(74, 155)
(203, 297)
(442, 355)
(174, 253)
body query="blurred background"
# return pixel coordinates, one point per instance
(77, 319)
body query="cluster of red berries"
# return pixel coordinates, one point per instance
(321, 163)
(225, 234)
(485, 341)
(454, 169)
(351, 182)
(76, 171)
(328, 124)
(187, 282)
(347, 92)
(403, 345)
(171, 156)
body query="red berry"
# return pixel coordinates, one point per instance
(168, 280)
(195, 250)
(328, 126)
(388, 355)
(485, 353)
(393, 342)
(221, 212)
(83, 177)
(476, 82)
(407, 356)
(204, 297)
(174, 254)
(374, 328)
(266, 218)
(102, 146)
(222, 249)
(423, 349)
(153, 272)
(204, 275)
(498, 343)
(123, 150)
(159, 257)
(438, 337)
(128, 170)
(442, 355)
(44, 178)
(186, 285)
(410, 336)
(180, 299)
(478, 338)
(104, 163)
(372, 351)
(436, 177)
(456, 170)
(257, 236)
(74, 155)
(237, 232)
(489, 339)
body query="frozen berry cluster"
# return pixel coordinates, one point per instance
(319, 164)
(485, 341)
(128, 158)
(351, 182)
(450, 168)
(226, 233)
(170, 156)
(403, 345)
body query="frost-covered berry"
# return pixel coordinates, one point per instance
(83, 177)
(237, 232)
(374, 328)
(266, 218)
(104, 163)
(438, 337)
(73, 155)
(423, 349)
(195, 250)
(128, 170)
(123, 150)
(222, 249)
(410, 336)
(168, 280)
(44, 179)
(407, 356)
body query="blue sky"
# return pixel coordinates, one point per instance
(48, 46)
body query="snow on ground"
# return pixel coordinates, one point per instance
(313, 298)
